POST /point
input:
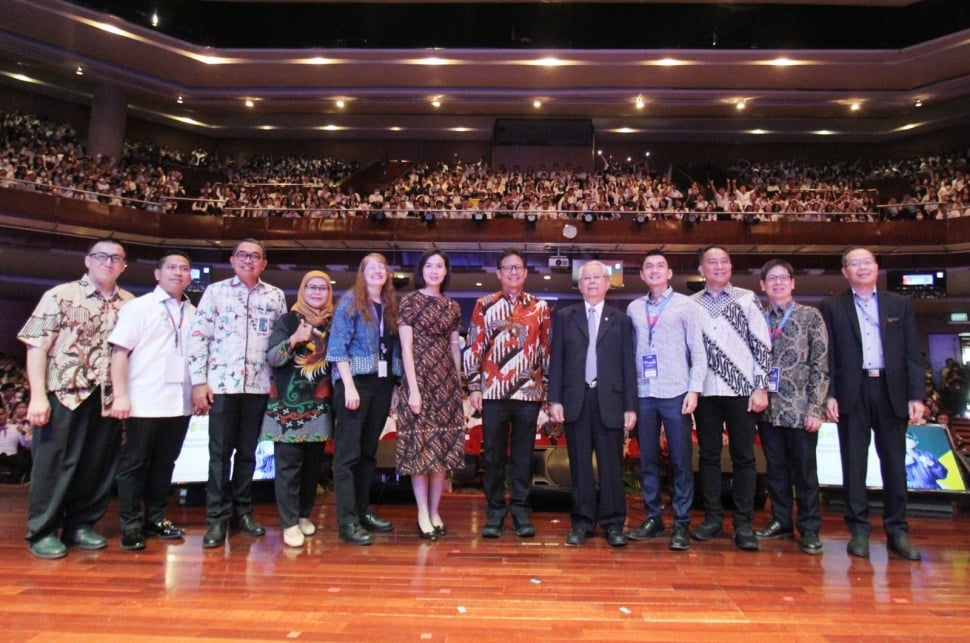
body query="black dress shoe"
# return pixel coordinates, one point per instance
(650, 528)
(492, 529)
(427, 535)
(85, 538)
(371, 522)
(774, 530)
(523, 528)
(680, 538)
(811, 544)
(215, 535)
(858, 546)
(903, 548)
(577, 537)
(355, 535)
(163, 529)
(48, 547)
(745, 539)
(441, 529)
(707, 530)
(248, 525)
(132, 540)
(614, 537)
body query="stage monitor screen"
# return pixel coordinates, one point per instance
(931, 464)
(192, 464)
(917, 283)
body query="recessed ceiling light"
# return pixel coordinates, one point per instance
(547, 277)
(741, 104)
(249, 102)
(340, 103)
(855, 107)
(79, 71)
(537, 103)
(180, 100)
(918, 103)
(640, 102)
(436, 102)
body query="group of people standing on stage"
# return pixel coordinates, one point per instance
(96, 356)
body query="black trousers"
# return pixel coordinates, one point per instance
(874, 411)
(712, 414)
(75, 459)
(297, 477)
(148, 453)
(355, 444)
(508, 428)
(234, 423)
(792, 475)
(584, 438)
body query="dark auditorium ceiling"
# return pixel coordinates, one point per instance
(866, 71)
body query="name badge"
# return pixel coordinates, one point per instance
(174, 369)
(774, 376)
(263, 326)
(648, 367)
(382, 368)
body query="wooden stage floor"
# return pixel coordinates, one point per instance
(465, 588)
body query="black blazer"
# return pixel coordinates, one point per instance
(616, 378)
(905, 372)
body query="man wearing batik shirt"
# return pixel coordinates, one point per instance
(506, 364)
(798, 383)
(230, 383)
(75, 442)
(737, 344)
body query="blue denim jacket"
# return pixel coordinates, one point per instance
(354, 340)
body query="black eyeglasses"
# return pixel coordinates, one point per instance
(104, 257)
(248, 256)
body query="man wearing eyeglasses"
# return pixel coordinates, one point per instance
(506, 365)
(798, 382)
(877, 386)
(230, 383)
(75, 441)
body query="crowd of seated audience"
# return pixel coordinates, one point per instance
(39, 155)
(284, 187)
(44, 156)
(15, 431)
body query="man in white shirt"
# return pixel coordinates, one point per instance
(153, 395)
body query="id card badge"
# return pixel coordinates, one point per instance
(648, 367)
(263, 325)
(774, 376)
(382, 368)
(174, 369)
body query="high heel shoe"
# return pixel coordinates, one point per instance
(440, 530)
(427, 535)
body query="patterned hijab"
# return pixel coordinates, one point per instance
(315, 316)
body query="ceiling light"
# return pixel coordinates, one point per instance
(436, 102)
(249, 102)
(154, 18)
(640, 102)
(824, 132)
(340, 103)
(741, 104)
(537, 103)
(79, 71)
(782, 62)
(549, 61)
(918, 103)
(855, 107)
(670, 62)
(179, 100)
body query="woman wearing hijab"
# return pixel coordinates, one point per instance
(298, 416)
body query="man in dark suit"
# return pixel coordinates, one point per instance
(593, 389)
(876, 382)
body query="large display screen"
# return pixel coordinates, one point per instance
(931, 464)
(193, 462)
